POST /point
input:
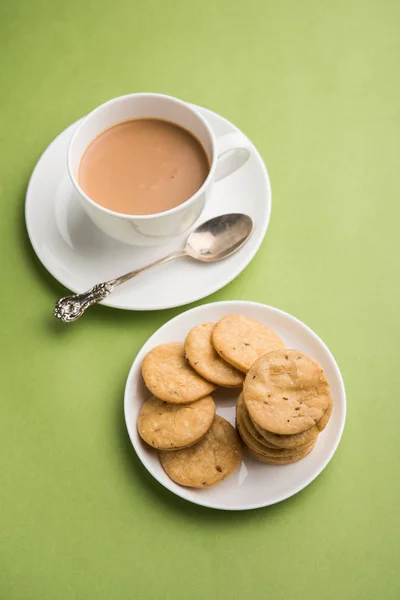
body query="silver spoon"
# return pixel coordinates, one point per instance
(211, 241)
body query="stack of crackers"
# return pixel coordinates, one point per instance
(283, 405)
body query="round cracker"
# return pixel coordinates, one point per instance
(256, 446)
(286, 392)
(209, 461)
(240, 340)
(168, 426)
(170, 377)
(286, 460)
(204, 359)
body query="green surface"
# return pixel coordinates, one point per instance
(316, 86)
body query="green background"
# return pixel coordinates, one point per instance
(316, 86)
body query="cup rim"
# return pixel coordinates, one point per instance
(170, 211)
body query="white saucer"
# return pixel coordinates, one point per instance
(79, 255)
(255, 484)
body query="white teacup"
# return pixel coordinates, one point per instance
(153, 229)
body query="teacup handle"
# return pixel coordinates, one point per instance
(233, 151)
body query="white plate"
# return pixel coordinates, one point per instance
(255, 484)
(79, 255)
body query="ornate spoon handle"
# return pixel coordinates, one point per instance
(70, 308)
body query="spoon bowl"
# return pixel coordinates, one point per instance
(219, 237)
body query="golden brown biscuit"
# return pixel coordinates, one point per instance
(171, 426)
(285, 460)
(256, 446)
(206, 361)
(241, 340)
(286, 392)
(170, 377)
(209, 461)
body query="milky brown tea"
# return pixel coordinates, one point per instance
(143, 166)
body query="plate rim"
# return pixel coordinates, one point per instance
(264, 224)
(169, 484)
